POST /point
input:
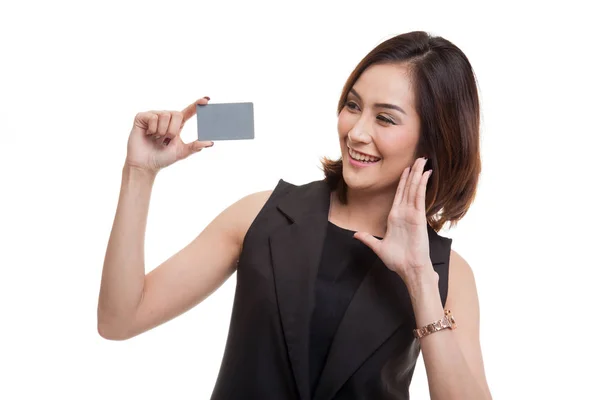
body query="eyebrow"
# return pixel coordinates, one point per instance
(381, 105)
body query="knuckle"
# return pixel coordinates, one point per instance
(176, 123)
(142, 116)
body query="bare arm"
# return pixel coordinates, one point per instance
(123, 272)
(453, 358)
(131, 302)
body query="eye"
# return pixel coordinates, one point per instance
(351, 105)
(386, 120)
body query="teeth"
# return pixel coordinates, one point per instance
(362, 157)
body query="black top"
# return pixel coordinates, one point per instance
(373, 352)
(344, 263)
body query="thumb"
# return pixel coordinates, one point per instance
(372, 242)
(195, 146)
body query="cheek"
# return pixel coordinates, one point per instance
(344, 123)
(399, 145)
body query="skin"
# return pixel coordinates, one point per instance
(384, 199)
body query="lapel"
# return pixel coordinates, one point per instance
(379, 307)
(296, 252)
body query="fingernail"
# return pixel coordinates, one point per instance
(207, 98)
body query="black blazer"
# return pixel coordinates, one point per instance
(373, 353)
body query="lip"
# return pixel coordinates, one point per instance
(360, 164)
(366, 154)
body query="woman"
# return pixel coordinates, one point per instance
(340, 282)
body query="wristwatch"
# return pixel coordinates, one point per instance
(447, 322)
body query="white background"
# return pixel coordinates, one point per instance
(74, 74)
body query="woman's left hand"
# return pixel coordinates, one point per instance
(405, 247)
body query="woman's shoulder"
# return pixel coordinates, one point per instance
(246, 209)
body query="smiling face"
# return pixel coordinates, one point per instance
(378, 128)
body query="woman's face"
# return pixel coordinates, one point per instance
(378, 128)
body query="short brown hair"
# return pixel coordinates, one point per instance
(447, 103)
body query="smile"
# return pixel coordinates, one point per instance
(362, 158)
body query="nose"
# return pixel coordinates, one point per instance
(359, 133)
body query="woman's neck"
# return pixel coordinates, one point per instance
(363, 211)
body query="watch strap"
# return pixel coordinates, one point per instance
(447, 322)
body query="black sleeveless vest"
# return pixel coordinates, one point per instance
(373, 353)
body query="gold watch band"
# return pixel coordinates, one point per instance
(447, 322)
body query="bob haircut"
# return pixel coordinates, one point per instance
(446, 100)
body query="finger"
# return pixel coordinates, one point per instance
(152, 124)
(190, 110)
(421, 192)
(415, 179)
(144, 120)
(163, 122)
(411, 171)
(194, 147)
(401, 187)
(174, 124)
(372, 242)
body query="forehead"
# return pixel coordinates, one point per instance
(388, 83)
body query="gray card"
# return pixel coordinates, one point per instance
(225, 121)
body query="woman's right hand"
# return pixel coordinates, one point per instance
(155, 142)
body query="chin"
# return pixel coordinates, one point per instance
(375, 180)
(355, 180)
(356, 183)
